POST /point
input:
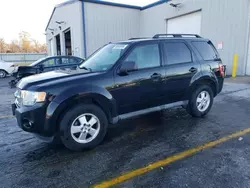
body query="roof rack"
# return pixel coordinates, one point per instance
(176, 35)
(137, 38)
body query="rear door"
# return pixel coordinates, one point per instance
(210, 59)
(181, 66)
(48, 65)
(67, 63)
(74, 62)
(62, 63)
(211, 63)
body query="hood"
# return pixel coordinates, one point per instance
(53, 76)
(9, 63)
(23, 67)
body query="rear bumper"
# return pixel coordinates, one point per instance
(220, 84)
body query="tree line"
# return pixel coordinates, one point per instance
(25, 44)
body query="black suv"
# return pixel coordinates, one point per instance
(118, 81)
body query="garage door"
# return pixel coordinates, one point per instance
(188, 24)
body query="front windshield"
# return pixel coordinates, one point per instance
(104, 58)
(38, 61)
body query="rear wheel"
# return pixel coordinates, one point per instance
(3, 74)
(200, 101)
(83, 127)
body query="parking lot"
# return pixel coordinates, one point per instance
(169, 144)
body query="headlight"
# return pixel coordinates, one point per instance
(29, 98)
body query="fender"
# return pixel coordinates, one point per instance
(77, 94)
(205, 77)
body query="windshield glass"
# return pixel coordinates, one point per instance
(104, 58)
(38, 61)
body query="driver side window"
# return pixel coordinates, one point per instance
(49, 63)
(145, 56)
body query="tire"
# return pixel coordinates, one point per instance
(3, 73)
(193, 107)
(56, 141)
(81, 116)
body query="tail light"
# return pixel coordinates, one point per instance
(222, 70)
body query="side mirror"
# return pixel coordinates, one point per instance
(127, 66)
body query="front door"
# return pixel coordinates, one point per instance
(141, 88)
(181, 67)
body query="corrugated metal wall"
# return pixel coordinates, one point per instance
(223, 21)
(248, 50)
(105, 23)
(71, 15)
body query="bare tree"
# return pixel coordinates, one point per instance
(25, 44)
(24, 38)
(38, 47)
(2, 46)
(14, 47)
(43, 48)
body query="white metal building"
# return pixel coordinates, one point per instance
(79, 27)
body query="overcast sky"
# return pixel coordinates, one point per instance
(32, 16)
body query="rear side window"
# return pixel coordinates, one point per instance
(74, 60)
(206, 50)
(177, 52)
(62, 61)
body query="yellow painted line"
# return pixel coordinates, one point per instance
(168, 160)
(3, 117)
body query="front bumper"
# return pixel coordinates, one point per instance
(14, 74)
(34, 119)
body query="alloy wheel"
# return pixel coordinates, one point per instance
(203, 101)
(85, 128)
(2, 74)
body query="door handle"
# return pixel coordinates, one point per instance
(193, 69)
(155, 75)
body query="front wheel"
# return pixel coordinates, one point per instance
(3, 74)
(83, 127)
(201, 101)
